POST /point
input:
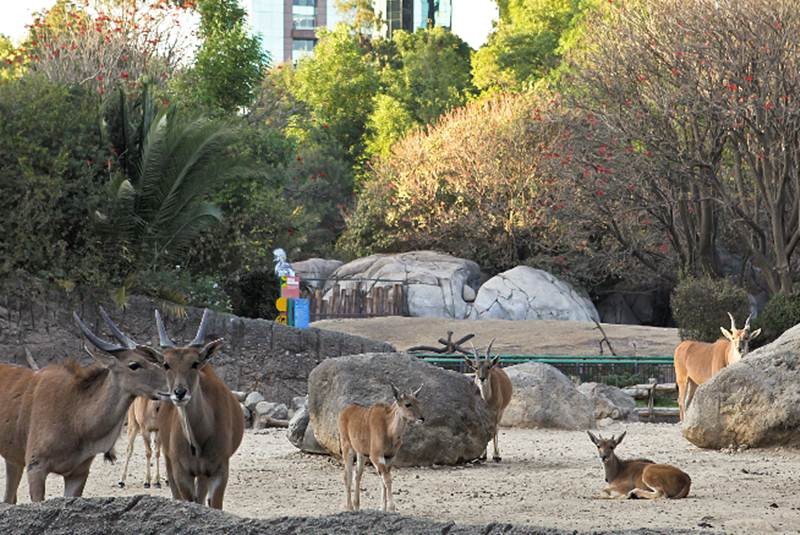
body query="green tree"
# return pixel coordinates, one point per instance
(389, 122)
(156, 214)
(337, 84)
(526, 44)
(230, 62)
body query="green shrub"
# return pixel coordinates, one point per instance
(253, 294)
(781, 313)
(183, 288)
(700, 307)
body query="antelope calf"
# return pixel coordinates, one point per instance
(638, 478)
(57, 419)
(375, 432)
(143, 419)
(697, 362)
(202, 425)
(495, 388)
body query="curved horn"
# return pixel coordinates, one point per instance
(200, 337)
(118, 334)
(733, 322)
(98, 342)
(747, 323)
(489, 349)
(163, 337)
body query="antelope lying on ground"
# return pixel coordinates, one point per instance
(57, 419)
(143, 419)
(203, 425)
(696, 362)
(495, 388)
(375, 432)
(638, 478)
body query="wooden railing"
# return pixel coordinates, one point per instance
(364, 300)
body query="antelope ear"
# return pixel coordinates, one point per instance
(618, 440)
(151, 354)
(726, 333)
(496, 360)
(755, 333)
(395, 392)
(594, 438)
(469, 362)
(210, 349)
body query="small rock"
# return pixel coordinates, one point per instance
(253, 399)
(276, 411)
(240, 396)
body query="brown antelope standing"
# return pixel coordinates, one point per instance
(638, 478)
(696, 362)
(375, 432)
(495, 388)
(57, 419)
(203, 425)
(143, 419)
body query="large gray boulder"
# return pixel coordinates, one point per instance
(545, 397)
(301, 435)
(458, 423)
(610, 402)
(754, 402)
(526, 293)
(315, 271)
(434, 281)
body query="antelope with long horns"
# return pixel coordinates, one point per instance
(697, 362)
(495, 388)
(55, 420)
(638, 478)
(375, 432)
(202, 425)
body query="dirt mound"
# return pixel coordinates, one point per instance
(147, 514)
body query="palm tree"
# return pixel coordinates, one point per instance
(159, 204)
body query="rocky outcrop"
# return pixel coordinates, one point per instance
(258, 355)
(610, 402)
(301, 435)
(457, 424)
(754, 402)
(148, 514)
(525, 293)
(315, 271)
(545, 397)
(434, 281)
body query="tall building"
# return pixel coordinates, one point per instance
(410, 15)
(288, 27)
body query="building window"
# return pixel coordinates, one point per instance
(311, 3)
(302, 48)
(303, 22)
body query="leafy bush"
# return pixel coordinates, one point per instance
(182, 288)
(781, 313)
(700, 307)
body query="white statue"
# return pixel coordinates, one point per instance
(282, 267)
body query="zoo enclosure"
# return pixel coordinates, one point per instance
(355, 298)
(614, 370)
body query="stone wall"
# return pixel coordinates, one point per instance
(258, 355)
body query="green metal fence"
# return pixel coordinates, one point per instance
(599, 368)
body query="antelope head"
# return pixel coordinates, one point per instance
(135, 368)
(739, 338)
(482, 367)
(605, 446)
(183, 364)
(408, 405)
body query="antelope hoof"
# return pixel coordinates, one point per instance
(121, 484)
(157, 484)
(497, 458)
(147, 485)
(482, 457)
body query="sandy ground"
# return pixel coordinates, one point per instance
(547, 478)
(513, 337)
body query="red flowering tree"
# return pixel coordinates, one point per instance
(102, 43)
(685, 120)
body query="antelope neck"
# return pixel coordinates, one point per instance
(397, 424)
(613, 467)
(102, 408)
